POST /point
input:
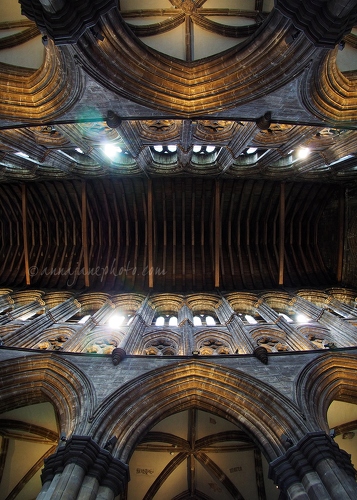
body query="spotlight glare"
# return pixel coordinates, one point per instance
(111, 150)
(301, 318)
(116, 321)
(303, 153)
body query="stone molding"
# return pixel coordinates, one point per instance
(94, 460)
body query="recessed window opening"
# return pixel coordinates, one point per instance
(286, 317)
(116, 321)
(159, 148)
(210, 321)
(173, 321)
(160, 321)
(197, 321)
(250, 319)
(84, 319)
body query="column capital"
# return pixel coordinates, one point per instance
(304, 457)
(94, 460)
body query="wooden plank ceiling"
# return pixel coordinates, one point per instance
(196, 234)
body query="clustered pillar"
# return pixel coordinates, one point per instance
(81, 470)
(315, 468)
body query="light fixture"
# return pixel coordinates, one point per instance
(113, 120)
(195, 353)
(264, 122)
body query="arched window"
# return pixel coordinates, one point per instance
(286, 317)
(173, 321)
(197, 321)
(160, 321)
(116, 320)
(250, 319)
(210, 321)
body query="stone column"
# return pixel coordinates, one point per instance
(6, 302)
(236, 327)
(344, 334)
(81, 470)
(27, 310)
(137, 327)
(57, 314)
(185, 322)
(315, 468)
(339, 307)
(294, 338)
(99, 317)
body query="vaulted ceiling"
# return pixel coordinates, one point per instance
(176, 144)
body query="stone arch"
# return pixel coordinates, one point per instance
(167, 303)
(167, 338)
(331, 93)
(51, 339)
(273, 339)
(40, 378)
(54, 299)
(264, 413)
(58, 74)
(219, 342)
(100, 342)
(329, 377)
(320, 336)
(343, 295)
(243, 302)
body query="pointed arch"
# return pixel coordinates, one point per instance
(331, 376)
(39, 378)
(132, 410)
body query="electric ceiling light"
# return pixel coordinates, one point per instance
(113, 120)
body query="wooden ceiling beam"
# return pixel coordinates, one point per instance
(85, 234)
(217, 237)
(281, 233)
(24, 232)
(341, 233)
(150, 235)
